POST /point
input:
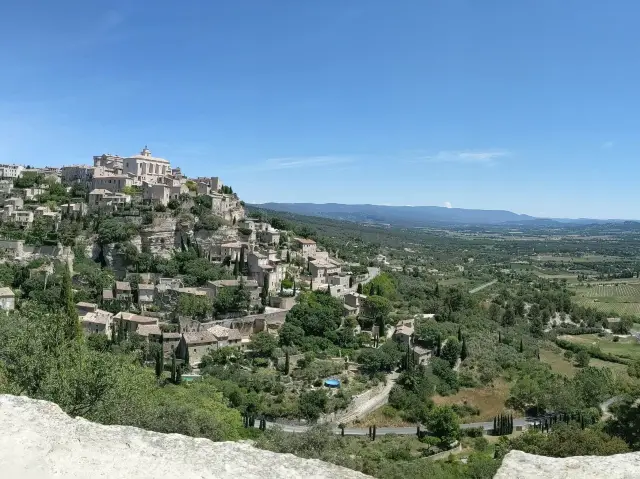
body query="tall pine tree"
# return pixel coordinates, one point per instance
(521, 346)
(72, 324)
(463, 350)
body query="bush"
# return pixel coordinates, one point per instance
(473, 432)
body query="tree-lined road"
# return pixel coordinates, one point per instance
(400, 431)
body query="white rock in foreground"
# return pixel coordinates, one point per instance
(39, 441)
(520, 465)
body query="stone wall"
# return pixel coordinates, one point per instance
(160, 237)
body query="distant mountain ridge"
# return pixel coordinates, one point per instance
(413, 216)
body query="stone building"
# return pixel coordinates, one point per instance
(226, 206)
(101, 198)
(113, 183)
(7, 299)
(77, 174)
(144, 167)
(11, 171)
(307, 246)
(156, 193)
(131, 321)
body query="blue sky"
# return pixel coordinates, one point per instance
(523, 105)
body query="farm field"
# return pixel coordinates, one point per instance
(621, 298)
(624, 347)
(559, 364)
(489, 400)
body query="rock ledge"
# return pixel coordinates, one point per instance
(39, 441)
(520, 465)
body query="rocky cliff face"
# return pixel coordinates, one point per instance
(160, 237)
(39, 441)
(520, 465)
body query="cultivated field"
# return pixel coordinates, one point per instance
(619, 298)
(623, 347)
(559, 364)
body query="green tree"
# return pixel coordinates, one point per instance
(72, 324)
(377, 308)
(463, 350)
(312, 404)
(443, 423)
(582, 359)
(263, 345)
(451, 351)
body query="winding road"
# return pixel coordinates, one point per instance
(482, 286)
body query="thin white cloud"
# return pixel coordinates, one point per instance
(480, 157)
(447, 204)
(608, 145)
(305, 162)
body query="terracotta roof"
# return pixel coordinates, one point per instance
(147, 329)
(220, 332)
(171, 335)
(200, 337)
(136, 318)
(97, 317)
(234, 335)
(305, 241)
(6, 292)
(123, 286)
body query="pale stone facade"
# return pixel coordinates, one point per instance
(144, 167)
(11, 171)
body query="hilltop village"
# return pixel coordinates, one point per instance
(235, 275)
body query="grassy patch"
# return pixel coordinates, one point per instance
(623, 347)
(558, 363)
(385, 416)
(490, 400)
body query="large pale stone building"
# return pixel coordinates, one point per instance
(144, 167)
(10, 171)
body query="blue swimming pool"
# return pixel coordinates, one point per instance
(332, 383)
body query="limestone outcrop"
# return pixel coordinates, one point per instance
(39, 441)
(520, 465)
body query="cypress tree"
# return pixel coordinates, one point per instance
(158, 370)
(288, 256)
(459, 333)
(359, 288)
(281, 288)
(72, 325)
(294, 287)
(235, 268)
(436, 291)
(499, 337)
(374, 433)
(438, 344)
(179, 374)
(286, 363)
(173, 366)
(241, 266)
(495, 426)
(521, 346)
(329, 289)
(463, 350)
(186, 355)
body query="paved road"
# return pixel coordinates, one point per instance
(401, 431)
(482, 286)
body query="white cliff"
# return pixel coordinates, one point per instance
(520, 465)
(39, 441)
